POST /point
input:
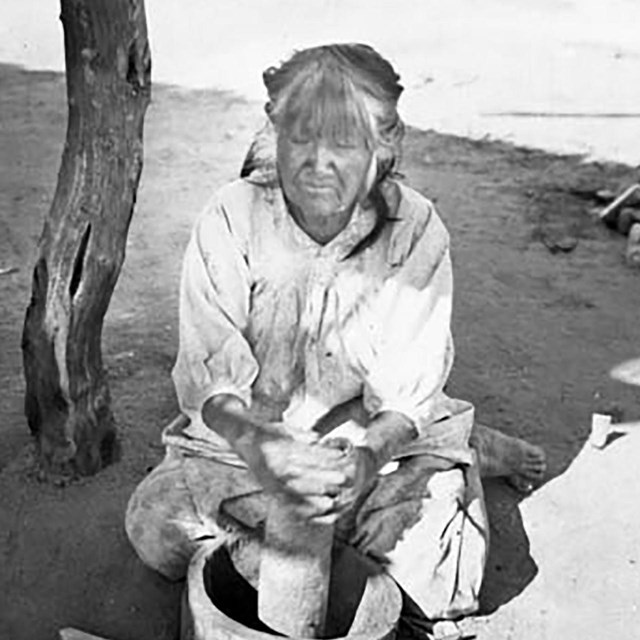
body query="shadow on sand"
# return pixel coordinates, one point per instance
(510, 567)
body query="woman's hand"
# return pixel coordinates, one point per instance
(360, 470)
(385, 435)
(308, 475)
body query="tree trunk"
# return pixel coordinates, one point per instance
(82, 246)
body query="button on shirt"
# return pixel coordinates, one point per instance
(294, 328)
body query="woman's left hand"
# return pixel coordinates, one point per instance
(359, 468)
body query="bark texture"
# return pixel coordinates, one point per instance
(82, 246)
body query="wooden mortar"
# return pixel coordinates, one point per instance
(220, 605)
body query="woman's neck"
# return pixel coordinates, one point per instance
(321, 228)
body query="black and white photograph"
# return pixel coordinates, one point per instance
(319, 319)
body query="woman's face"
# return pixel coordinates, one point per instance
(323, 177)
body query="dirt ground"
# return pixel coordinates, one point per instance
(536, 331)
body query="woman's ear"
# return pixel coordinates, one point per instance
(385, 165)
(391, 193)
(390, 151)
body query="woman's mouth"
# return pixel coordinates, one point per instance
(318, 186)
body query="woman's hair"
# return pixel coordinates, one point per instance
(345, 92)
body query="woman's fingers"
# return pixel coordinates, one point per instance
(321, 479)
(309, 484)
(320, 508)
(315, 455)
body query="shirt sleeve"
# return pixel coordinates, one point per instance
(214, 356)
(402, 341)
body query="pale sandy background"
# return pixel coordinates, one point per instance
(461, 60)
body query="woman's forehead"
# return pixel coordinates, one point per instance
(327, 105)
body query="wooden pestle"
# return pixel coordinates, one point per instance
(295, 567)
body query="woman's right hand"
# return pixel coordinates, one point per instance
(298, 469)
(307, 474)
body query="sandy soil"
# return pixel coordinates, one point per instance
(536, 334)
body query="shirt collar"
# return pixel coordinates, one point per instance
(359, 226)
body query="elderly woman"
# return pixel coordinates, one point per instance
(315, 303)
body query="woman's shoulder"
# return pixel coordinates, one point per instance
(417, 223)
(240, 203)
(242, 195)
(416, 207)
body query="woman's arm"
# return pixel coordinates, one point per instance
(400, 342)
(400, 339)
(387, 434)
(214, 356)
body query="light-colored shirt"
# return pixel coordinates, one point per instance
(294, 328)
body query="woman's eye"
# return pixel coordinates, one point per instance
(299, 138)
(349, 140)
(346, 144)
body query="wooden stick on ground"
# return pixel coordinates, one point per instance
(610, 209)
(76, 634)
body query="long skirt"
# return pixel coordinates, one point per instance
(426, 527)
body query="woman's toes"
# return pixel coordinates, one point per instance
(534, 459)
(536, 468)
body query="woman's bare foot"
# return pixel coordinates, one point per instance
(522, 464)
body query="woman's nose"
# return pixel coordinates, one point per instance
(322, 157)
